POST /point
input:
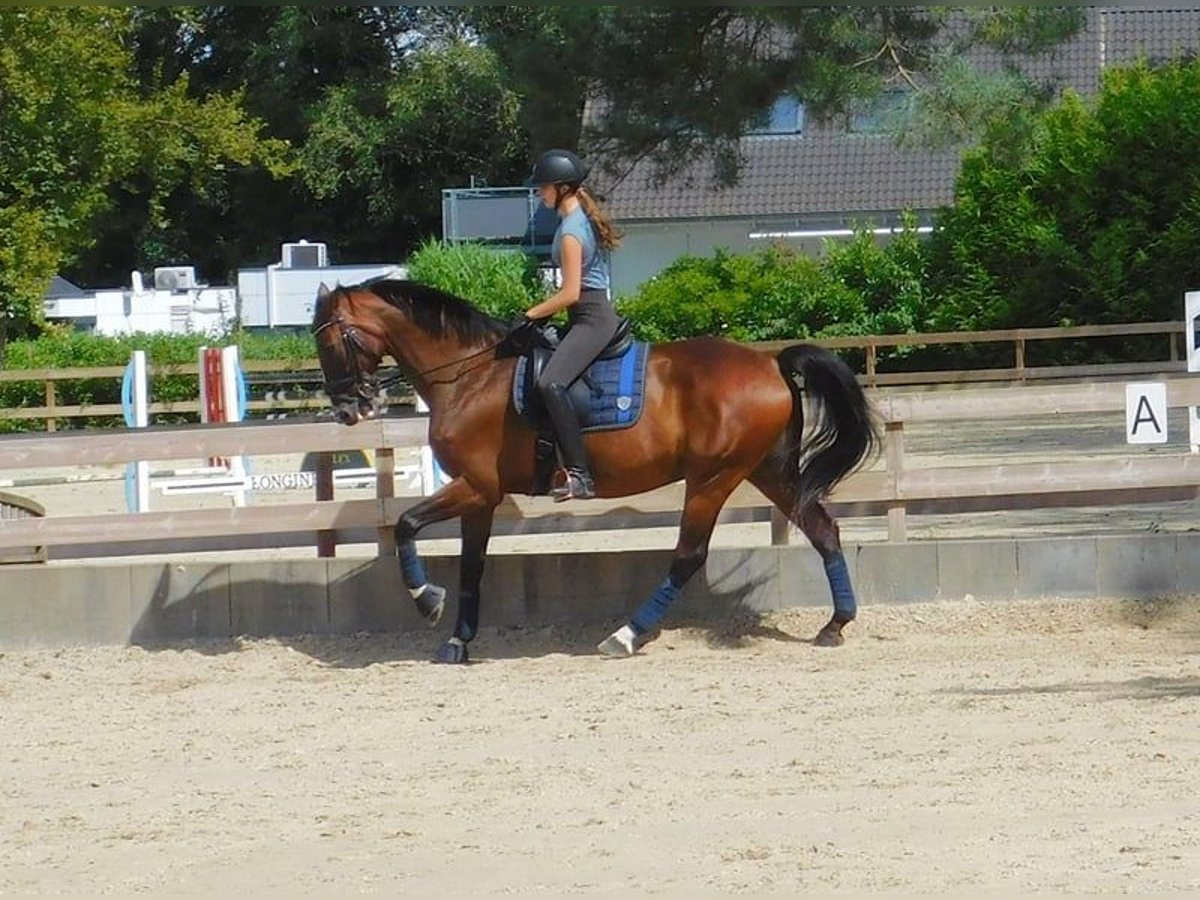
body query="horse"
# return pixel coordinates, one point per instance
(715, 413)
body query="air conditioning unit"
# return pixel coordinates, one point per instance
(174, 278)
(303, 255)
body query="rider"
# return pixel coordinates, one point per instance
(582, 243)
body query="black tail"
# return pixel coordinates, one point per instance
(844, 433)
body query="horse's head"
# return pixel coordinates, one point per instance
(350, 353)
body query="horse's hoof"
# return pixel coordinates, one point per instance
(616, 646)
(431, 603)
(452, 653)
(829, 636)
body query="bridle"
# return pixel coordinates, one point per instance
(362, 387)
(365, 387)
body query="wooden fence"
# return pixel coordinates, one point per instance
(892, 488)
(1172, 361)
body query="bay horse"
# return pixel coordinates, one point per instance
(715, 413)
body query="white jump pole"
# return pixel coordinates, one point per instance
(230, 366)
(141, 418)
(1191, 315)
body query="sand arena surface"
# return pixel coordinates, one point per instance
(1041, 746)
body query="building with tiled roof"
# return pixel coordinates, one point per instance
(808, 180)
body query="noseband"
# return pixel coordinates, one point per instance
(354, 382)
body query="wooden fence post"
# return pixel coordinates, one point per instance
(385, 487)
(326, 540)
(893, 441)
(51, 404)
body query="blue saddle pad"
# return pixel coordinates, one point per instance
(620, 394)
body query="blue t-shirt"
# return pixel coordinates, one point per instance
(595, 258)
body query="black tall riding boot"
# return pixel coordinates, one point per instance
(579, 484)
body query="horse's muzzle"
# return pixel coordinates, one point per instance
(351, 412)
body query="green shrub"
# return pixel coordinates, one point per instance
(775, 294)
(60, 347)
(503, 283)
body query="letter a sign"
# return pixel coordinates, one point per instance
(1146, 413)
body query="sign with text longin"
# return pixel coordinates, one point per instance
(1146, 413)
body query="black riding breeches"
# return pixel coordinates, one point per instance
(593, 323)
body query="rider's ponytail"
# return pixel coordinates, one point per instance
(606, 233)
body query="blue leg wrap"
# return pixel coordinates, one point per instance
(411, 567)
(651, 612)
(844, 605)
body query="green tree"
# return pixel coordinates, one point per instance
(1095, 218)
(444, 119)
(308, 71)
(676, 83)
(74, 127)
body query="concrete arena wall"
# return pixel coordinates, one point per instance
(56, 605)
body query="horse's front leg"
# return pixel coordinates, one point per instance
(453, 500)
(476, 530)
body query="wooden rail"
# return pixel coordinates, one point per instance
(52, 411)
(893, 489)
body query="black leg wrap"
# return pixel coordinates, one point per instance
(452, 653)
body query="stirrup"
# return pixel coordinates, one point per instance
(579, 485)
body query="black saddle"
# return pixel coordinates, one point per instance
(580, 391)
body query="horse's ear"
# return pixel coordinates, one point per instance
(323, 292)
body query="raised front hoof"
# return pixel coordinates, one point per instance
(830, 635)
(431, 603)
(452, 653)
(617, 646)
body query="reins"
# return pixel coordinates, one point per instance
(354, 346)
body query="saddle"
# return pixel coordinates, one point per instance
(608, 395)
(584, 387)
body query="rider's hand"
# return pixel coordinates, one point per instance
(522, 333)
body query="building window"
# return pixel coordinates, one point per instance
(786, 116)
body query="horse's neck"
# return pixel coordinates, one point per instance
(444, 378)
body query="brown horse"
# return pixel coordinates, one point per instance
(715, 413)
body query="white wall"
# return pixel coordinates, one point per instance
(200, 310)
(274, 296)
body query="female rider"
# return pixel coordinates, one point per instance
(582, 243)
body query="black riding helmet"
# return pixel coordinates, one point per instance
(558, 167)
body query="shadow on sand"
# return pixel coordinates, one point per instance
(361, 615)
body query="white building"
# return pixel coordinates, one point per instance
(176, 303)
(279, 295)
(283, 293)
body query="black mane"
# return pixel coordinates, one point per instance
(436, 312)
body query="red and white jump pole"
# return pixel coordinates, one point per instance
(221, 401)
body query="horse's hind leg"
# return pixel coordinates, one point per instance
(822, 531)
(702, 504)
